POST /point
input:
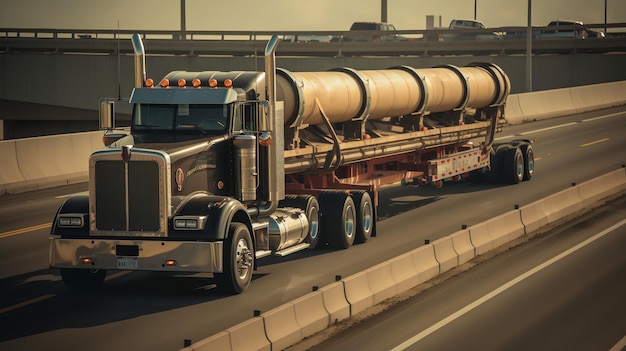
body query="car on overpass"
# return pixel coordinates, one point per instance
(365, 31)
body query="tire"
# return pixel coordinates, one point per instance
(77, 279)
(513, 166)
(338, 222)
(496, 173)
(311, 207)
(529, 160)
(238, 260)
(365, 216)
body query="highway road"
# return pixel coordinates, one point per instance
(563, 290)
(143, 310)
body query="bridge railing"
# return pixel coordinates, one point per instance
(509, 40)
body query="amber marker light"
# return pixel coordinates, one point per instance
(86, 260)
(196, 83)
(213, 83)
(182, 83)
(165, 83)
(228, 83)
(149, 83)
(220, 185)
(170, 263)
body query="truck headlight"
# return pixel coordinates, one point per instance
(70, 220)
(189, 222)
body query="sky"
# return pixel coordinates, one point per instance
(293, 15)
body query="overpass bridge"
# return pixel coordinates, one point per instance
(55, 78)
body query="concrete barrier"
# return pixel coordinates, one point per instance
(463, 245)
(481, 240)
(505, 227)
(445, 254)
(534, 216)
(249, 335)
(546, 104)
(335, 302)
(219, 341)
(43, 162)
(404, 272)
(281, 327)
(599, 188)
(358, 292)
(425, 263)
(10, 175)
(311, 314)
(562, 204)
(381, 282)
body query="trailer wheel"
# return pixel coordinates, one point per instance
(529, 160)
(77, 279)
(365, 216)
(513, 165)
(338, 219)
(497, 172)
(238, 261)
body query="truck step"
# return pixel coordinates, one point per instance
(292, 249)
(262, 253)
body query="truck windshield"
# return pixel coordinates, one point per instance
(190, 117)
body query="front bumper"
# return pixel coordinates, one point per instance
(189, 256)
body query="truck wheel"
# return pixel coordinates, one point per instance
(365, 216)
(310, 206)
(238, 263)
(338, 220)
(513, 165)
(529, 160)
(83, 279)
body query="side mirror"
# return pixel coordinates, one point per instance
(107, 115)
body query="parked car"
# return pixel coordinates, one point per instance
(573, 29)
(308, 38)
(388, 32)
(468, 25)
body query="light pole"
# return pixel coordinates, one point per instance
(475, 9)
(529, 50)
(383, 11)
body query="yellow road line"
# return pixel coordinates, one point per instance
(25, 230)
(26, 303)
(595, 142)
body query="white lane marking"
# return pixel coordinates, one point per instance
(442, 323)
(561, 126)
(620, 345)
(603, 117)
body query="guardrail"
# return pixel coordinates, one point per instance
(42, 162)
(244, 43)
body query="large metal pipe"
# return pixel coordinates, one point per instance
(348, 94)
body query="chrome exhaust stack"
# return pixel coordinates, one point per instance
(140, 61)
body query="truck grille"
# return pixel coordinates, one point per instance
(129, 198)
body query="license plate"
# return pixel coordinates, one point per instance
(127, 263)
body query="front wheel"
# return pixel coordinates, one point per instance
(238, 262)
(83, 279)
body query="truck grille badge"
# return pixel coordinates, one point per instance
(180, 177)
(126, 152)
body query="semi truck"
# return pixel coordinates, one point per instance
(220, 169)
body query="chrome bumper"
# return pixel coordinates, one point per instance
(151, 255)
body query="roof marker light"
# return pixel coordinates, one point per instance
(228, 83)
(196, 83)
(149, 83)
(182, 83)
(213, 83)
(165, 83)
